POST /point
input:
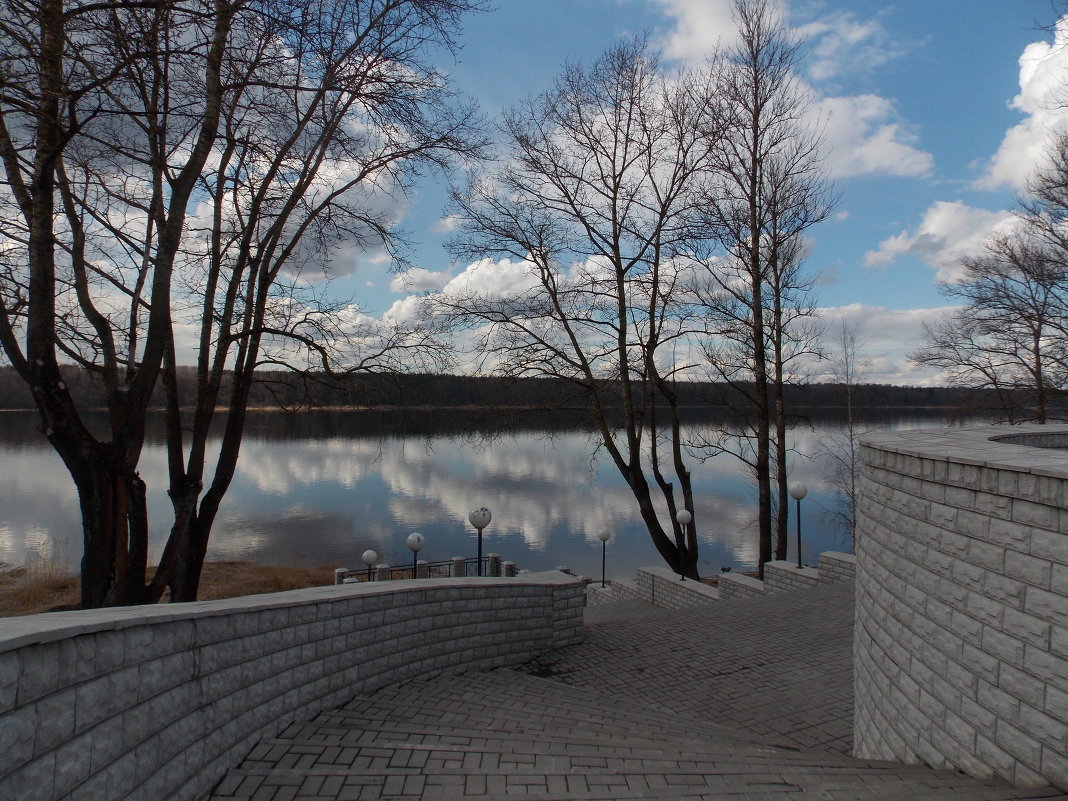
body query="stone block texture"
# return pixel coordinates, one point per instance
(780, 576)
(660, 587)
(960, 655)
(158, 702)
(738, 585)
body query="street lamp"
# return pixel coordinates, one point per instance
(480, 518)
(604, 535)
(369, 557)
(685, 518)
(798, 490)
(415, 541)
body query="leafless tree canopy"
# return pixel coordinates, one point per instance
(181, 175)
(1010, 332)
(769, 187)
(596, 199)
(655, 214)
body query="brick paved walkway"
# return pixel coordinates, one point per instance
(750, 700)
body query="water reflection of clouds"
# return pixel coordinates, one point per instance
(325, 500)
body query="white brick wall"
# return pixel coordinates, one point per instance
(158, 702)
(782, 576)
(660, 587)
(961, 641)
(738, 585)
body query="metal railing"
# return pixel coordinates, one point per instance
(491, 565)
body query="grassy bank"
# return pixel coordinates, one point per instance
(43, 586)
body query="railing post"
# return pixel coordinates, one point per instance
(340, 574)
(459, 567)
(508, 569)
(422, 569)
(493, 564)
(382, 573)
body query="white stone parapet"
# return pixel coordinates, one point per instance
(660, 587)
(157, 702)
(961, 641)
(783, 576)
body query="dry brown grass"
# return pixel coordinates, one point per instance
(42, 586)
(39, 586)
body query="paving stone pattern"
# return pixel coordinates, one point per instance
(647, 707)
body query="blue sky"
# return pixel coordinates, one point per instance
(935, 111)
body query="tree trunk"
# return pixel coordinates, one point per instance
(115, 532)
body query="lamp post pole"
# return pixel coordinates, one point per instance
(798, 490)
(604, 535)
(369, 557)
(480, 518)
(685, 518)
(415, 542)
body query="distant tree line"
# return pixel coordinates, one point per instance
(287, 391)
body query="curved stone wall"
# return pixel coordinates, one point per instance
(961, 641)
(158, 702)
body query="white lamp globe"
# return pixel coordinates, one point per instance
(480, 518)
(684, 517)
(798, 490)
(369, 557)
(416, 541)
(604, 535)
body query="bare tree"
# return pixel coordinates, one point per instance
(770, 188)
(595, 198)
(179, 169)
(1009, 333)
(847, 367)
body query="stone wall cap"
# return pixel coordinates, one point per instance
(698, 587)
(16, 632)
(981, 446)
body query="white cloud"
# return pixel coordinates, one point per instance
(446, 224)
(840, 44)
(418, 279)
(1043, 70)
(700, 27)
(885, 337)
(863, 135)
(492, 278)
(948, 232)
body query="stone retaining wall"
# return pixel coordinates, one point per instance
(836, 566)
(961, 642)
(739, 585)
(781, 576)
(158, 702)
(660, 587)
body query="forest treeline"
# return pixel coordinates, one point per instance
(422, 391)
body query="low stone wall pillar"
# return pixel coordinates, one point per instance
(783, 576)
(459, 567)
(493, 565)
(383, 572)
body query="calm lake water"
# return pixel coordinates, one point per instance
(320, 488)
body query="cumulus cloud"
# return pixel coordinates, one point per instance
(949, 232)
(699, 27)
(1043, 69)
(864, 135)
(418, 279)
(885, 338)
(492, 278)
